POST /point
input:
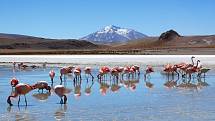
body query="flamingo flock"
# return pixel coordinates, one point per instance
(108, 78)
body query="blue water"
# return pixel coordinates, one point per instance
(156, 104)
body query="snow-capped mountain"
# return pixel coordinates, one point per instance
(112, 34)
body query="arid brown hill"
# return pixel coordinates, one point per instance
(169, 35)
(10, 41)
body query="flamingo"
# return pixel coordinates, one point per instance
(184, 66)
(34, 66)
(120, 70)
(14, 64)
(14, 82)
(22, 66)
(132, 71)
(52, 75)
(136, 68)
(65, 70)
(203, 71)
(192, 69)
(88, 71)
(19, 65)
(114, 72)
(127, 70)
(170, 69)
(20, 89)
(44, 65)
(148, 70)
(60, 90)
(77, 73)
(40, 85)
(103, 71)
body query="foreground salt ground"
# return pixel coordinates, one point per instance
(107, 59)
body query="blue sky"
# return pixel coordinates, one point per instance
(77, 18)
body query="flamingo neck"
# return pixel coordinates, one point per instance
(9, 99)
(65, 99)
(197, 63)
(192, 61)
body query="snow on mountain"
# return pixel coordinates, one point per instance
(111, 34)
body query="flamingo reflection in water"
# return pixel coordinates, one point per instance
(60, 113)
(130, 83)
(77, 88)
(41, 85)
(201, 84)
(42, 97)
(104, 86)
(88, 87)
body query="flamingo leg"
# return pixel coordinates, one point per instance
(61, 80)
(91, 76)
(61, 100)
(52, 80)
(18, 100)
(87, 80)
(25, 101)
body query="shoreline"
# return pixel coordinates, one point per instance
(115, 51)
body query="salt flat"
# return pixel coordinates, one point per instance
(108, 59)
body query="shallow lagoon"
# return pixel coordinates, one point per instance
(156, 104)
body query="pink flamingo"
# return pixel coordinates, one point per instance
(170, 69)
(114, 72)
(192, 69)
(103, 72)
(136, 68)
(20, 89)
(77, 73)
(60, 90)
(64, 71)
(88, 71)
(126, 71)
(40, 85)
(149, 70)
(52, 75)
(184, 66)
(120, 70)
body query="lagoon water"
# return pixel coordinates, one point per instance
(156, 104)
